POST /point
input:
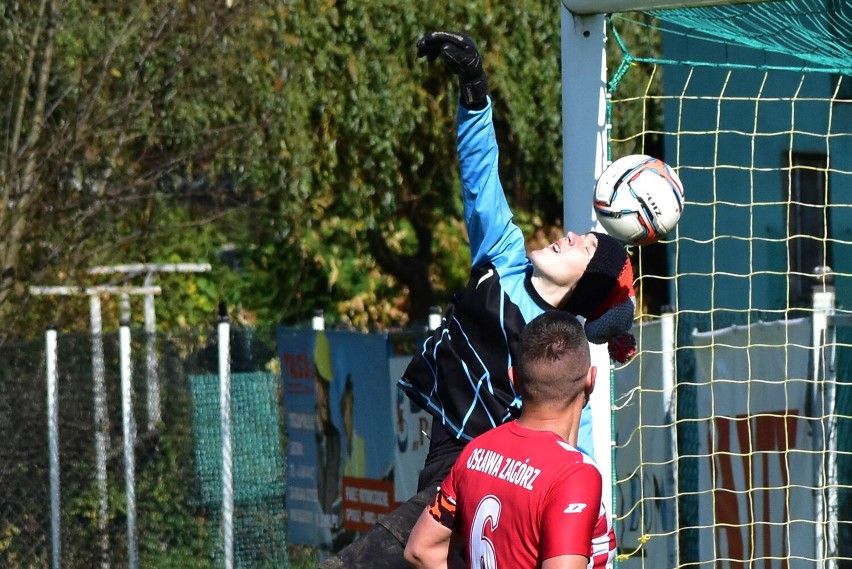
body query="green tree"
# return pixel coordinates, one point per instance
(127, 130)
(372, 148)
(299, 147)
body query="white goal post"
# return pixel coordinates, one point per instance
(584, 154)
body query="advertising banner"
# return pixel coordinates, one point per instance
(339, 423)
(364, 500)
(759, 444)
(307, 522)
(412, 426)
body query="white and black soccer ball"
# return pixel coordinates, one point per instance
(638, 199)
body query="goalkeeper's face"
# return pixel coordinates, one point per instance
(564, 261)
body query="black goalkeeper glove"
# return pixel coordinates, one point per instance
(463, 59)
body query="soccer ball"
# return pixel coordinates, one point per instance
(638, 199)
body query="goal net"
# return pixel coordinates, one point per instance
(733, 426)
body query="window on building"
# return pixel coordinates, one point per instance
(807, 223)
(843, 84)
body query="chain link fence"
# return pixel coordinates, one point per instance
(174, 509)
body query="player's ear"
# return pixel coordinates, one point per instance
(590, 380)
(512, 378)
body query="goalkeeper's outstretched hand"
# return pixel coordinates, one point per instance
(463, 59)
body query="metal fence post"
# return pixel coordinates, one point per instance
(53, 446)
(227, 456)
(825, 385)
(129, 424)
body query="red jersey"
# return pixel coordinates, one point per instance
(526, 496)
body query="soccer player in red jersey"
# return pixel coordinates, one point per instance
(522, 495)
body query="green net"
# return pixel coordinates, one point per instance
(258, 462)
(816, 33)
(256, 436)
(751, 104)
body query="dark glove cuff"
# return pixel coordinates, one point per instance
(473, 92)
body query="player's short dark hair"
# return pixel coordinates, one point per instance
(553, 358)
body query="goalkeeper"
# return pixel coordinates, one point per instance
(461, 373)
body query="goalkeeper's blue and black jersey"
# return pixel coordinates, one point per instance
(461, 374)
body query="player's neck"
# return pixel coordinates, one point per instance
(566, 424)
(549, 291)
